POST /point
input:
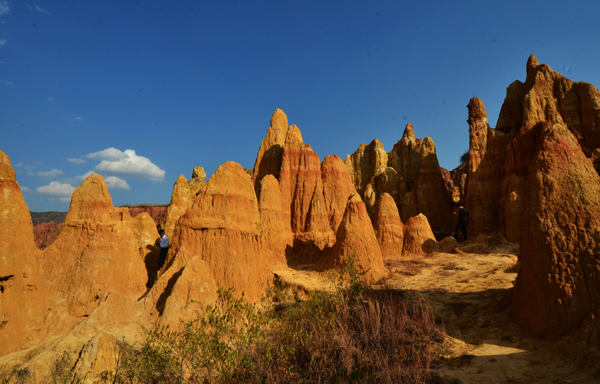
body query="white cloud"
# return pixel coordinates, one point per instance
(4, 9)
(77, 161)
(77, 119)
(53, 173)
(7, 82)
(114, 182)
(108, 154)
(2, 42)
(56, 188)
(127, 163)
(25, 189)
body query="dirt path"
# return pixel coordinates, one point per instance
(470, 294)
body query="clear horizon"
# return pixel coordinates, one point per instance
(143, 91)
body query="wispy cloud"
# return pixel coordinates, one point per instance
(114, 182)
(77, 119)
(2, 42)
(7, 82)
(25, 189)
(4, 9)
(77, 161)
(27, 168)
(37, 8)
(127, 163)
(51, 174)
(50, 99)
(56, 188)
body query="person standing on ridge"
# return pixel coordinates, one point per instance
(163, 243)
(463, 219)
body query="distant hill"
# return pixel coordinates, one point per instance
(155, 211)
(46, 217)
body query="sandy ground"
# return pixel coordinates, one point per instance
(470, 294)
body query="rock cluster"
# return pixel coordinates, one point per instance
(100, 249)
(410, 173)
(533, 179)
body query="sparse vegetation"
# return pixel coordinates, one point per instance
(350, 335)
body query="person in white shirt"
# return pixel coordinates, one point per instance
(163, 243)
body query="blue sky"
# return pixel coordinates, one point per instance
(142, 91)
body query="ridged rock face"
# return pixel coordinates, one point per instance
(22, 289)
(337, 188)
(388, 227)
(391, 183)
(318, 230)
(486, 156)
(405, 157)
(300, 177)
(222, 228)
(367, 162)
(100, 248)
(417, 235)
(558, 285)
(408, 208)
(356, 238)
(270, 153)
(181, 201)
(276, 233)
(545, 98)
(555, 99)
(432, 195)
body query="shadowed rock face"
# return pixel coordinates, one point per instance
(367, 162)
(499, 158)
(356, 238)
(337, 187)
(405, 157)
(486, 154)
(270, 153)
(533, 179)
(558, 285)
(432, 195)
